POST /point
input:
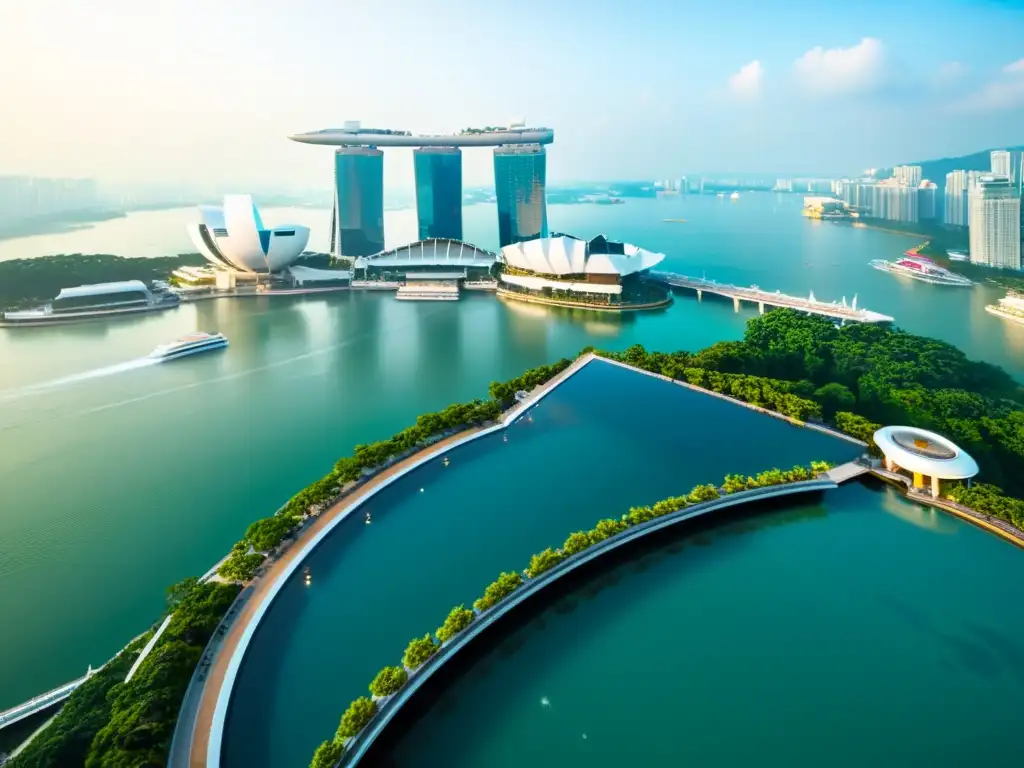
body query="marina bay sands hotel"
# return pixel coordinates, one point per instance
(357, 226)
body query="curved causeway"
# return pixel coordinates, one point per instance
(281, 691)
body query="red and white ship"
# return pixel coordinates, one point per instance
(921, 268)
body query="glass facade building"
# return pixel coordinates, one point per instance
(439, 192)
(357, 223)
(520, 173)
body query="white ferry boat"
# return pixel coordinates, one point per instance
(192, 344)
(923, 269)
(958, 256)
(1010, 307)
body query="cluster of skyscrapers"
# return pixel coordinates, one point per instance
(904, 197)
(23, 197)
(520, 180)
(988, 203)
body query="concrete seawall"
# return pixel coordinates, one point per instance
(359, 747)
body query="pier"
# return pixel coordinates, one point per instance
(837, 310)
(42, 701)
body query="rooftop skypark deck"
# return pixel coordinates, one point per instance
(357, 136)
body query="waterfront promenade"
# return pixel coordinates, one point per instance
(199, 732)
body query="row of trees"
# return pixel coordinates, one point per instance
(391, 679)
(859, 375)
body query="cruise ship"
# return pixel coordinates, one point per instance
(1010, 307)
(192, 344)
(89, 302)
(921, 268)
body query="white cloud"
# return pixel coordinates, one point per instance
(1015, 68)
(1000, 95)
(842, 70)
(746, 84)
(951, 70)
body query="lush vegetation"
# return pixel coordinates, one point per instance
(505, 392)
(358, 714)
(107, 723)
(29, 282)
(882, 376)
(144, 711)
(457, 620)
(418, 651)
(66, 741)
(989, 500)
(391, 679)
(388, 681)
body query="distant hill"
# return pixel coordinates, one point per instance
(936, 170)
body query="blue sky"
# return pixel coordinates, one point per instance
(201, 91)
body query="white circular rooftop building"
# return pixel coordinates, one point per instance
(924, 454)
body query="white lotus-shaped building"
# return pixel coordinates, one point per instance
(233, 237)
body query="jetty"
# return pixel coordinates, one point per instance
(838, 310)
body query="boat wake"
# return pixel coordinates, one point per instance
(75, 378)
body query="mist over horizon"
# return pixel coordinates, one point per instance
(193, 96)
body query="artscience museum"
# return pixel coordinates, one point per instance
(233, 237)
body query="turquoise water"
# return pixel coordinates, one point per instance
(605, 440)
(865, 630)
(117, 479)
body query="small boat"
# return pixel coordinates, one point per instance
(922, 268)
(369, 519)
(191, 344)
(307, 576)
(958, 256)
(734, 196)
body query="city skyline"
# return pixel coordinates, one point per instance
(155, 95)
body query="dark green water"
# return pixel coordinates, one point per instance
(605, 440)
(117, 480)
(865, 631)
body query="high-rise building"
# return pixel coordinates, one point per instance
(438, 191)
(907, 174)
(956, 199)
(1001, 163)
(357, 223)
(995, 223)
(519, 184)
(927, 195)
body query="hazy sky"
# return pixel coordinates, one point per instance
(205, 91)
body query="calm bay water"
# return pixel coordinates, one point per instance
(118, 478)
(862, 631)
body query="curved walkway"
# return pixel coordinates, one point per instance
(199, 732)
(358, 747)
